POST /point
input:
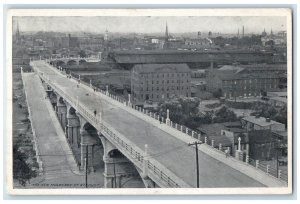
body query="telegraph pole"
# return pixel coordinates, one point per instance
(86, 166)
(197, 160)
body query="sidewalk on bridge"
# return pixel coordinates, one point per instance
(63, 140)
(40, 105)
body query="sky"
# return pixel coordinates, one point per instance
(151, 24)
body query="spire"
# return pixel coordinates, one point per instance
(238, 34)
(18, 31)
(17, 34)
(271, 31)
(167, 32)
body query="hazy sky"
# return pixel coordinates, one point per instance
(151, 24)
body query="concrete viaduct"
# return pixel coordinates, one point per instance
(136, 142)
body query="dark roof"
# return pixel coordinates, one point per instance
(234, 72)
(181, 56)
(212, 129)
(154, 68)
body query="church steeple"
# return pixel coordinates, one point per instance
(166, 33)
(18, 36)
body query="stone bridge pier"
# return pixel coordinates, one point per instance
(118, 170)
(72, 128)
(88, 141)
(61, 111)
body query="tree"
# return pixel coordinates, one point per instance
(224, 115)
(183, 110)
(82, 54)
(21, 170)
(217, 93)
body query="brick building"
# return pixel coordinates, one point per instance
(234, 81)
(157, 82)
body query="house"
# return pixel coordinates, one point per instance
(251, 123)
(227, 134)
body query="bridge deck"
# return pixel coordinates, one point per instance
(58, 162)
(173, 153)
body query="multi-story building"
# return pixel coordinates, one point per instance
(157, 82)
(234, 81)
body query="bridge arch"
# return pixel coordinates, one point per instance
(92, 145)
(71, 62)
(82, 61)
(71, 111)
(60, 63)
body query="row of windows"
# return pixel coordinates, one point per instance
(230, 95)
(163, 88)
(254, 86)
(167, 81)
(250, 81)
(164, 75)
(155, 96)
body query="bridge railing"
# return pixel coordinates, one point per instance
(183, 129)
(133, 153)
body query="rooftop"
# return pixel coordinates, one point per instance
(261, 121)
(153, 68)
(279, 99)
(229, 72)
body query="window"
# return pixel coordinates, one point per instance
(157, 88)
(157, 82)
(167, 81)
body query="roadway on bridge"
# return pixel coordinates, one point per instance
(173, 153)
(58, 172)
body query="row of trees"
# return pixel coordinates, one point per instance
(22, 171)
(185, 111)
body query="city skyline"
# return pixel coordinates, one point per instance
(152, 24)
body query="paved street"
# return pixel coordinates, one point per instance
(181, 160)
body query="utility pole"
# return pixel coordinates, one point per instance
(86, 166)
(115, 177)
(197, 161)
